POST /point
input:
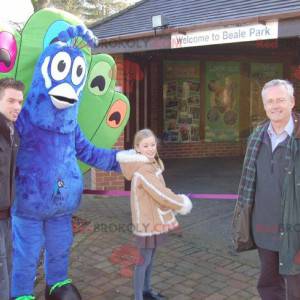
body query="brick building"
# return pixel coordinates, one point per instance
(193, 70)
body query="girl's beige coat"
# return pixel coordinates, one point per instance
(153, 205)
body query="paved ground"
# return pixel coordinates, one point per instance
(197, 262)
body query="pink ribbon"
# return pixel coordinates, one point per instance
(119, 193)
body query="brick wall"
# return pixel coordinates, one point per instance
(119, 59)
(108, 180)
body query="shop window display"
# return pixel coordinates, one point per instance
(222, 90)
(181, 94)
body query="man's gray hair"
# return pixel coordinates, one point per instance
(276, 82)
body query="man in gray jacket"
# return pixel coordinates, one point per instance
(11, 97)
(267, 212)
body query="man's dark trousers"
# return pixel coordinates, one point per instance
(5, 258)
(271, 285)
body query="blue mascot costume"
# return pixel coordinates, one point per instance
(48, 179)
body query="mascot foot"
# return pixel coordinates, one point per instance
(63, 290)
(29, 297)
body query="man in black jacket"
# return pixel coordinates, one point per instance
(11, 97)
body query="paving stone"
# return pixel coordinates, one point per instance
(183, 289)
(125, 290)
(244, 295)
(184, 269)
(181, 297)
(238, 284)
(229, 291)
(215, 296)
(198, 296)
(218, 284)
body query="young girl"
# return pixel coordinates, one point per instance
(153, 206)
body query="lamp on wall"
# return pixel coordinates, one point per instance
(159, 22)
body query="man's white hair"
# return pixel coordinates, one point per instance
(276, 82)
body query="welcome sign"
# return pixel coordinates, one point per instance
(226, 35)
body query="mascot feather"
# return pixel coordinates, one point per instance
(48, 178)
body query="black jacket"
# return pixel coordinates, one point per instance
(8, 153)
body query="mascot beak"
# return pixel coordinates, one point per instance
(63, 96)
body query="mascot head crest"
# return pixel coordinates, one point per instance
(74, 32)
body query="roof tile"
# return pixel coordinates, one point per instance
(181, 13)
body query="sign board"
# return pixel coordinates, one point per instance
(226, 35)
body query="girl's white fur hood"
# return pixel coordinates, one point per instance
(131, 161)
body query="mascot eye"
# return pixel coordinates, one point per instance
(60, 66)
(100, 78)
(78, 70)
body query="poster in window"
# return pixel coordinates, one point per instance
(222, 90)
(260, 74)
(181, 95)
